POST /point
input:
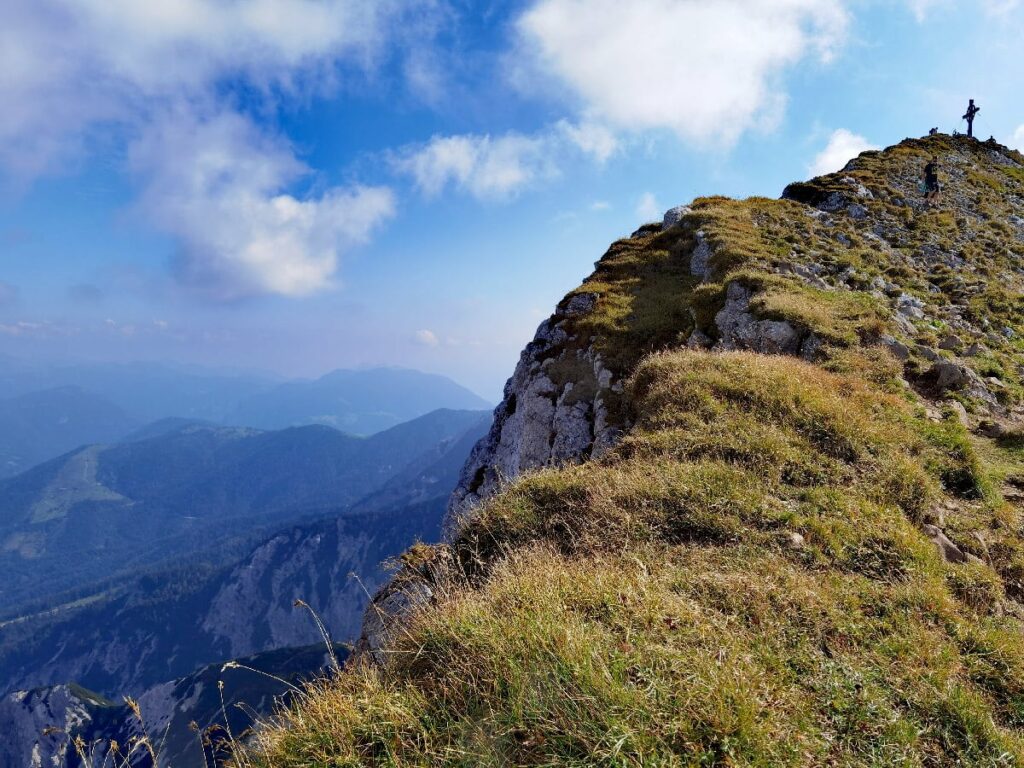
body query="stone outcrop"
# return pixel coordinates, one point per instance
(739, 328)
(543, 420)
(38, 726)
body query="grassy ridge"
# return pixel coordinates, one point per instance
(746, 578)
(659, 607)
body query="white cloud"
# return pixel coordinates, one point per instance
(600, 205)
(77, 72)
(842, 147)
(486, 167)
(707, 70)
(593, 139)
(217, 184)
(922, 8)
(1018, 138)
(647, 208)
(427, 338)
(39, 330)
(71, 65)
(1001, 7)
(499, 167)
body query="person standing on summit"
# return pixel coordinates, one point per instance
(969, 117)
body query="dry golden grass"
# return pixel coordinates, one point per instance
(744, 580)
(652, 608)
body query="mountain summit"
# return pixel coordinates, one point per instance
(752, 498)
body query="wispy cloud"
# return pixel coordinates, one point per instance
(923, 8)
(487, 167)
(218, 185)
(592, 138)
(1018, 138)
(843, 146)
(708, 71)
(33, 329)
(70, 66)
(499, 167)
(427, 338)
(143, 74)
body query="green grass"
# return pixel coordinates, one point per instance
(744, 579)
(650, 609)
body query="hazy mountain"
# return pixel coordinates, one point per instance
(163, 427)
(129, 632)
(145, 391)
(433, 474)
(103, 510)
(37, 426)
(357, 402)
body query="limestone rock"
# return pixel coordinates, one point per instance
(580, 304)
(898, 349)
(674, 215)
(700, 261)
(951, 342)
(946, 376)
(390, 609)
(910, 306)
(539, 422)
(949, 551)
(740, 329)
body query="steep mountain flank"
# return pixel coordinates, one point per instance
(132, 632)
(772, 514)
(173, 622)
(107, 511)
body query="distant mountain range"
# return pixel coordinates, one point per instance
(156, 522)
(130, 635)
(356, 402)
(100, 511)
(145, 391)
(48, 411)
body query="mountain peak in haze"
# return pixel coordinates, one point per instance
(359, 402)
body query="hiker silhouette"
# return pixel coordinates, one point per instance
(969, 117)
(932, 188)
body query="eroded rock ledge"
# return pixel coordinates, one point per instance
(544, 419)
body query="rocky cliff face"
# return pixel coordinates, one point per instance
(124, 646)
(543, 418)
(39, 728)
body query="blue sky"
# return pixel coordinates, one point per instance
(302, 185)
